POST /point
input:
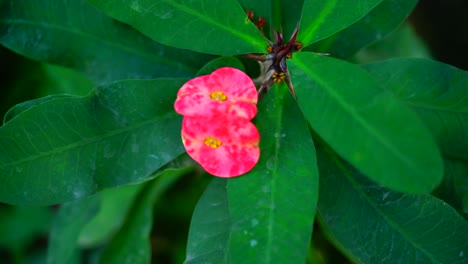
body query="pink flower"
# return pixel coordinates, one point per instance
(216, 129)
(222, 145)
(226, 90)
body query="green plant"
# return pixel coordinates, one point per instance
(358, 147)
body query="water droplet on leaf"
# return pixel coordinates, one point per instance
(254, 222)
(253, 243)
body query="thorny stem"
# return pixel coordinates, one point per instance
(274, 62)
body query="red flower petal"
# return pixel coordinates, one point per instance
(226, 90)
(224, 147)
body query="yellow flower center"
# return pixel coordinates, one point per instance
(212, 142)
(218, 95)
(278, 77)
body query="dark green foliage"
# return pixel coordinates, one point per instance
(363, 149)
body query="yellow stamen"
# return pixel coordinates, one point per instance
(218, 95)
(278, 77)
(212, 142)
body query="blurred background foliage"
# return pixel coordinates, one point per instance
(436, 29)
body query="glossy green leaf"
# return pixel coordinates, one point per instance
(67, 148)
(21, 107)
(114, 206)
(243, 219)
(366, 125)
(219, 63)
(66, 228)
(215, 27)
(210, 226)
(379, 22)
(321, 19)
(132, 243)
(272, 207)
(372, 224)
(437, 92)
(74, 34)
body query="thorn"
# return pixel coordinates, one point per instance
(275, 36)
(289, 84)
(294, 34)
(283, 66)
(280, 36)
(292, 40)
(268, 74)
(256, 57)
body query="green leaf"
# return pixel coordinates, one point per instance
(367, 126)
(245, 218)
(210, 226)
(379, 22)
(320, 19)
(21, 107)
(46, 82)
(63, 80)
(67, 148)
(132, 243)
(272, 207)
(20, 226)
(25, 79)
(286, 16)
(215, 27)
(437, 92)
(291, 16)
(404, 42)
(114, 206)
(74, 34)
(454, 187)
(372, 224)
(66, 228)
(219, 63)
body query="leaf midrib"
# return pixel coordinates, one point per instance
(357, 186)
(210, 21)
(277, 131)
(317, 22)
(348, 109)
(88, 141)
